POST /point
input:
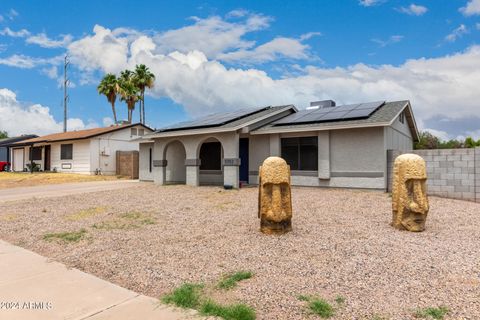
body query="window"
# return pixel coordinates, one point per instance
(133, 131)
(141, 132)
(66, 151)
(150, 160)
(36, 153)
(301, 153)
(401, 118)
(211, 156)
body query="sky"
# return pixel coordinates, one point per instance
(214, 56)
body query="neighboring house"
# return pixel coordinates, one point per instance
(84, 151)
(5, 147)
(325, 145)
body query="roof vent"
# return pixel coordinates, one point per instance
(322, 104)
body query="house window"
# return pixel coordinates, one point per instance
(150, 160)
(211, 156)
(401, 118)
(66, 151)
(141, 132)
(301, 153)
(133, 131)
(36, 153)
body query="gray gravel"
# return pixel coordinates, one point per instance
(341, 245)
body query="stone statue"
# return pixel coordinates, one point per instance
(274, 196)
(409, 193)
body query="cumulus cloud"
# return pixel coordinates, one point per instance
(456, 33)
(391, 40)
(414, 10)
(15, 34)
(27, 62)
(44, 41)
(472, 8)
(18, 119)
(369, 3)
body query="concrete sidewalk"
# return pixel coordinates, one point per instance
(32, 287)
(57, 190)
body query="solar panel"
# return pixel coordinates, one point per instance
(293, 117)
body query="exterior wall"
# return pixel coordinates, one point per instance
(175, 156)
(14, 160)
(453, 173)
(259, 150)
(26, 158)
(144, 162)
(103, 149)
(80, 162)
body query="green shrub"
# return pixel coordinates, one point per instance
(435, 313)
(185, 296)
(321, 307)
(66, 236)
(228, 312)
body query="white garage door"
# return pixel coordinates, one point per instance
(18, 159)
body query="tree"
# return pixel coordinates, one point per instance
(3, 134)
(143, 79)
(108, 87)
(470, 143)
(426, 140)
(128, 90)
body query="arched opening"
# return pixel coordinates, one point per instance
(175, 172)
(211, 167)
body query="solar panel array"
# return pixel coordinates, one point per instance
(345, 112)
(212, 120)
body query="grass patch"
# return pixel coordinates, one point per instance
(228, 312)
(435, 313)
(185, 296)
(86, 213)
(321, 307)
(113, 225)
(128, 220)
(340, 300)
(139, 217)
(303, 297)
(66, 236)
(231, 280)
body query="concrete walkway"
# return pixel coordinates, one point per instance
(32, 287)
(57, 190)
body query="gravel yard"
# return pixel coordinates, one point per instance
(152, 239)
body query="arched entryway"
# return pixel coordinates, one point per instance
(210, 154)
(175, 171)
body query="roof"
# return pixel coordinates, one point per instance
(79, 134)
(383, 116)
(8, 141)
(245, 118)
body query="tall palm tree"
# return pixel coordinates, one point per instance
(143, 79)
(108, 87)
(128, 90)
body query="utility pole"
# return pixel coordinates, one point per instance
(65, 94)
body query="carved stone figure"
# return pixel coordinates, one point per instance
(409, 193)
(274, 196)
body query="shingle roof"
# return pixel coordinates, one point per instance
(77, 135)
(384, 114)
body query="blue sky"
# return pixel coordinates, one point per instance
(212, 56)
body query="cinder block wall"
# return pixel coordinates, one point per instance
(452, 173)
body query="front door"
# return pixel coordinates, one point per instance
(46, 166)
(18, 159)
(244, 159)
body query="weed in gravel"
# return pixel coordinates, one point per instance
(112, 225)
(228, 312)
(435, 313)
(128, 220)
(377, 317)
(320, 307)
(185, 296)
(74, 236)
(340, 300)
(303, 297)
(140, 217)
(231, 280)
(86, 213)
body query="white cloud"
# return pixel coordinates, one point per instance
(27, 62)
(456, 33)
(369, 3)
(414, 10)
(17, 119)
(44, 41)
(15, 34)
(391, 40)
(442, 135)
(472, 8)
(107, 121)
(12, 14)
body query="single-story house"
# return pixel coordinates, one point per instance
(90, 151)
(5, 144)
(325, 145)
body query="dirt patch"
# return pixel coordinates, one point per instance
(341, 245)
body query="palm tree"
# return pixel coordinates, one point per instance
(128, 90)
(143, 79)
(108, 87)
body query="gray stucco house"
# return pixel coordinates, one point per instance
(325, 145)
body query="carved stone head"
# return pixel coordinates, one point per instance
(274, 197)
(409, 193)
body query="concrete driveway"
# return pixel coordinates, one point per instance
(57, 190)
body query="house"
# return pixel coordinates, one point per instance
(90, 151)
(325, 145)
(5, 148)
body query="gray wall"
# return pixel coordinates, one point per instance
(452, 173)
(144, 166)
